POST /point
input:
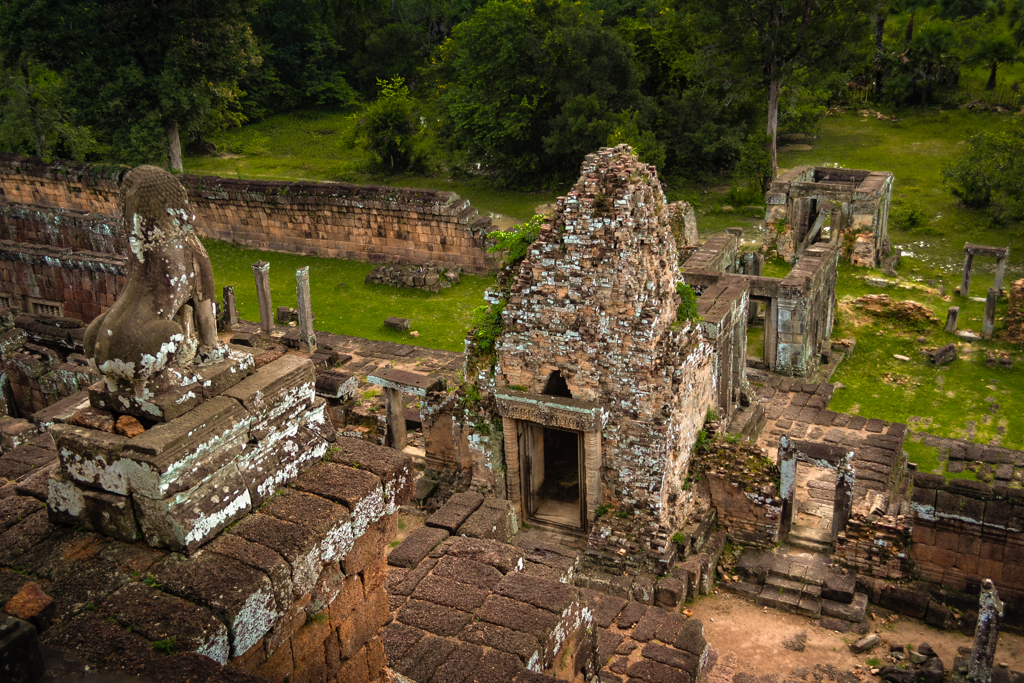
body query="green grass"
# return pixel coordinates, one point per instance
(353, 308)
(924, 456)
(318, 145)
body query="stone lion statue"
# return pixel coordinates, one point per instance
(165, 314)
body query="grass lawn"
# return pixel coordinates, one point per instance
(343, 304)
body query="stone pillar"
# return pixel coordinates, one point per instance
(951, 316)
(1000, 270)
(510, 433)
(787, 480)
(965, 283)
(986, 637)
(261, 269)
(396, 418)
(592, 460)
(230, 311)
(844, 496)
(989, 323)
(307, 337)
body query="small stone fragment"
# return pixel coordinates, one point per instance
(865, 644)
(129, 426)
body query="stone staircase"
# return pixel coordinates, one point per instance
(795, 580)
(811, 539)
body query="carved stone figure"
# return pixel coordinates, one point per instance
(165, 314)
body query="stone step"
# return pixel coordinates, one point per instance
(853, 612)
(789, 602)
(783, 585)
(807, 538)
(804, 567)
(743, 589)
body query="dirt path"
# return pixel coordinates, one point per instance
(749, 640)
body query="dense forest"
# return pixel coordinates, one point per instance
(520, 89)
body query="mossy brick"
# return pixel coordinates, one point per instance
(517, 615)
(259, 557)
(548, 595)
(329, 521)
(179, 455)
(158, 616)
(104, 646)
(394, 468)
(186, 521)
(670, 656)
(416, 546)
(459, 665)
(443, 621)
(522, 645)
(92, 457)
(457, 510)
(495, 667)
(358, 490)
(238, 595)
(276, 387)
(450, 593)
(503, 557)
(425, 657)
(467, 571)
(297, 544)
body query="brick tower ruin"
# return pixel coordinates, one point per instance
(605, 389)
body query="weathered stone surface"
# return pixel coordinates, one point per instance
(187, 521)
(467, 571)
(523, 645)
(94, 418)
(669, 592)
(358, 490)
(260, 558)
(394, 468)
(450, 593)
(416, 546)
(128, 426)
(296, 544)
(400, 324)
(864, 644)
(92, 457)
(503, 557)
(21, 660)
(157, 616)
(495, 519)
(438, 619)
(31, 604)
(548, 595)
(276, 388)
(519, 616)
(943, 355)
(103, 645)
(238, 595)
(456, 511)
(328, 521)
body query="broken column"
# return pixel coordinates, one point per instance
(261, 269)
(230, 310)
(951, 316)
(396, 383)
(1000, 270)
(307, 336)
(965, 283)
(990, 313)
(986, 637)
(843, 504)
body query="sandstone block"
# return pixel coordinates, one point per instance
(31, 604)
(416, 547)
(284, 386)
(92, 457)
(358, 490)
(296, 544)
(456, 511)
(495, 519)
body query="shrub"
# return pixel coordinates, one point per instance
(687, 309)
(389, 127)
(516, 241)
(990, 173)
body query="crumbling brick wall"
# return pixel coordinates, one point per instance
(966, 531)
(596, 302)
(335, 220)
(1015, 313)
(743, 487)
(876, 545)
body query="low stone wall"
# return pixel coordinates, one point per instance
(876, 546)
(744, 490)
(966, 531)
(335, 220)
(1015, 313)
(429, 277)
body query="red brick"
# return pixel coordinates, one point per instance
(355, 669)
(279, 665)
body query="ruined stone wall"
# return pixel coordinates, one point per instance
(1015, 312)
(335, 220)
(723, 311)
(743, 487)
(877, 546)
(595, 300)
(966, 531)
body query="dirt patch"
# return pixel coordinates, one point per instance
(882, 306)
(750, 639)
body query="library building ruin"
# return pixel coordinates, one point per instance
(188, 496)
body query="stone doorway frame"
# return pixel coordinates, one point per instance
(1001, 254)
(820, 455)
(396, 383)
(519, 408)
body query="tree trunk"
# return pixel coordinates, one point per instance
(33, 115)
(910, 30)
(991, 85)
(174, 144)
(880, 19)
(773, 124)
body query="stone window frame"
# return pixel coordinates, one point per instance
(7, 300)
(587, 417)
(40, 306)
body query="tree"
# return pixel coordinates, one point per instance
(389, 126)
(990, 173)
(139, 73)
(990, 52)
(777, 36)
(927, 65)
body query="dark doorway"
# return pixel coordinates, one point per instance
(554, 490)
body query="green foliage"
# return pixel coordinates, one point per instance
(905, 215)
(487, 326)
(929, 64)
(622, 514)
(679, 538)
(603, 509)
(321, 616)
(992, 50)
(389, 127)
(687, 309)
(990, 173)
(151, 581)
(168, 646)
(644, 142)
(515, 242)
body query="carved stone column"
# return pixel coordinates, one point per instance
(261, 269)
(986, 637)
(307, 337)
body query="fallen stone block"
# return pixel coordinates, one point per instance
(495, 519)
(31, 604)
(864, 644)
(943, 355)
(400, 324)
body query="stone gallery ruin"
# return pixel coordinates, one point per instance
(187, 496)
